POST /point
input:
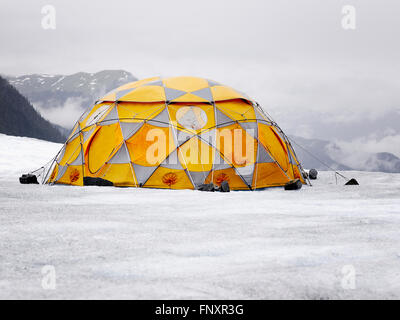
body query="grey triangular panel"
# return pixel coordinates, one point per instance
(246, 173)
(84, 115)
(142, 173)
(98, 114)
(198, 177)
(160, 120)
(204, 93)
(61, 172)
(172, 161)
(212, 83)
(171, 94)
(121, 156)
(78, 160)
(209, 137)
(291, 156)
(259, 116)
(220, 163)
(251, 128)
(130, 128)
(155, 83)
(111, 117)
(87, 134)
(120, 94)
(291, 160)
(262, 155)
(222, 119)
(190, 120)
(75, 135)
(61, 154)
(181, 136)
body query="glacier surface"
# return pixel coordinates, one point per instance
(128, 243)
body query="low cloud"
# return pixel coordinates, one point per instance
(362, 153)
(65, 115)
(372, 144)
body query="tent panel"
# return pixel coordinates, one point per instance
(145, 94)
(121, 175)
(72, 175)
(74, 131)
(129, 128)
(204, 94)
(57, 172)
(237, 109)
(269, 175)
(246, 173)
(230, 175)
(188, 84)
(167, 178)
(110, 118)
(150, 145)
(189, 97)
(98, 112)
(236, 145)
(72, 150)
(142, 173)
(225, 93)
(172, 161)
(121, 156)
(192, 117)
(102, 146)
(195, 155)
(87, 133)
(138, 111)
(222, 119)
(272, 142)
(198, 178)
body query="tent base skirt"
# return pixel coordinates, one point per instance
(89, 181)
(293, 185)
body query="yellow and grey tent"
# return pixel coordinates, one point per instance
(176, 133)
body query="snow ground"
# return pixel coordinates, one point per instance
(157, 244)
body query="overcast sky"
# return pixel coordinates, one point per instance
(294, 57)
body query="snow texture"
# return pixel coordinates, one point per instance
(128, 243)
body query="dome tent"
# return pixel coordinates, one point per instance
(176, 133)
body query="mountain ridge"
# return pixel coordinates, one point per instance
(62, 98)
(324, 155)
(19, 118)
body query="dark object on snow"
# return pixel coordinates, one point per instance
(352, 182)
(206, 187)
(293, 185)
(28, 179)
(211, 187)
(305, 175)
(89, 181)
(224, 187)
(312, 174)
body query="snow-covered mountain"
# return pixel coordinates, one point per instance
(310, 150)
(314, 153)
(62, 98)
(19, 118)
